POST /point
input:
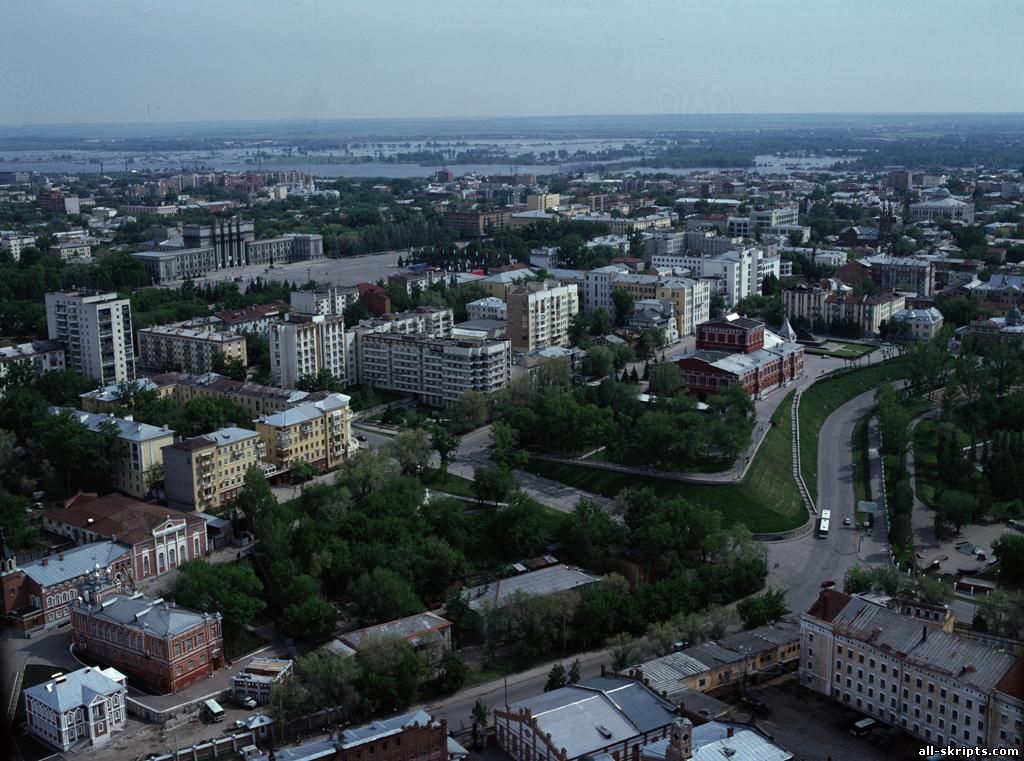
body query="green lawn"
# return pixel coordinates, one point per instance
(824, 397)
(861, 465)
(765, 501)
(843, 350)
(449, 483)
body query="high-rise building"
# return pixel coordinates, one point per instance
(96, 330)
(540, 314)
(187, 349)
(305, 344)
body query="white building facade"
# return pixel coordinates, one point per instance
(96, 331)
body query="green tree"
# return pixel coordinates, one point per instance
(479, 717)
(622, 304)
(519, 530)
(623, 649)
(505, 448)
(446, 446)
(412, 449)
(323, 380)
(492, 484)
(302, 471)
(574, 672)
(255, 498)
(231, 589)
(762, 609)
(666, 379)
(556, 678)
(469, 412)
(599, 362)
(932, 591)
(1009, 549)
(310, 620)
(600, 323)
(366, 471)
(233, 368)
(591, 538)
(390, 674)
(858, 580)
(453, 672)
(383, 595)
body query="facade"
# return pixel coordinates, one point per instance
(374, 298)
(305, 344)
(291, 247)
(420, 279)
(436, 322)
(166, 264)
(540, 315)
(139, 448)
(72, 251)
(657, 315)
(162, 645)
(597, 288)
(160, 539)
(87, 705)
(319, 433)
(473, 223)
(604, 717)
(923, 324)
(821, 307)
(330, 300)
(543, 201)
(15, 243)
(943, 207)
(731, 333)
(893, 273)
(227, 237)
(412, 736)
(255, 319)
(943, 688)
(208, 471)
(254, 398)
(37, 594)
(487, 308)
(258, 677)
(187, 349)
(436, 371)
(41, 356)
(95, 329)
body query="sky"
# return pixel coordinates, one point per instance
(75, 61)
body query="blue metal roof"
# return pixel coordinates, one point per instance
(73, 563)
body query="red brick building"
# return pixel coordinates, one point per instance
(375, 298)
(731, 334)
(157, 644)
(161, 539)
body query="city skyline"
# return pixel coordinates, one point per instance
(308, 61)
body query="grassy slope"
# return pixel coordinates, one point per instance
(765, 501)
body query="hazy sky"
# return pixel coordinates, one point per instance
(185, 60)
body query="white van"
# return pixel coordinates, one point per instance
(862, 727)
(212, 710)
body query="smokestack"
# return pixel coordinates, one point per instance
(729, 732)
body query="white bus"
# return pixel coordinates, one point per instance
(826, 517)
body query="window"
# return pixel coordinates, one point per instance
(969, 705)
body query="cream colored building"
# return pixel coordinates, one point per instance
(207, 472)
(305, 344)
(187, 349)
(96, 331)
(319, 433)
(541, 314)
(139, 453)
(543, 201)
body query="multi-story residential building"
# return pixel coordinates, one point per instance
(598, 286)
(540, 315)
(475, 223)
(255, 319)
(906, 671)
(319, 433)
(692, 300)
(41, 356)
(922, 324)
(160, 539)
(72, 250)
(258, 677)
(14, 243)
(85, 706)
(305, 344)
(162, 645)
(436, 371)
(500, 283)
(226, 236)
(95, 329)
(420, 279)
(138, 210)
(436, 322)
(822, 307)
(487, 308)
(36, 595)
(186, 349)
(627, 225)
(334, 299)
(254, 398)
(543, 201)
(892, 273)
(166, 264)
(942, 206)
(769, 221)
(139, 448)
(208, 471)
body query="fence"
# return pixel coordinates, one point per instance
(213, 748)
(798, 475)
(163, 715)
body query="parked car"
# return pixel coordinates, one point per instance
(360, 437)
(249, 703)
(847, 521)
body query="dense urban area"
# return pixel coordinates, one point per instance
(636, 444)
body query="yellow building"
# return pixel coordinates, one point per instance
(139, 452)
(207, 472)
(319, 433)
(543, 201)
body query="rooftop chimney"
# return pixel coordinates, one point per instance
(729, 732)
(924, 633)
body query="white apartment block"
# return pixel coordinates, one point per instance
(431, 321)
(912, 672)
(435, 371)
(182, 348)
(334, 299)
(41, 356)
(96, 331)
(541, 314)
(487, 308)
(140, 446)
(305, 344)
(598, 287)
(85, 706)
(15, 243)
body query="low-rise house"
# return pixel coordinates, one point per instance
(713, 741)
(41, 356)
(71, 710)
(427, 632)
(161, 539)
(162, 645)
(611, 717)
(207, 472)
(921, 324)
(257, 678)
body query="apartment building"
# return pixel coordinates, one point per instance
(418, 279)
(14, 243)
(922, 324)
(95, 329)
(943, 688)
(627, 225)
(822, 307)
(167, 264)
(474, 223)
(139, 448)
(254, 398)
(40, 356)
(487, 308)
(207, 472)
(540, 315)
(72, 250)
(436, 371)
(598, 286)
(305, 344)
(691, 298)
(334, 299)
(85, 706)
(181, 348)
(437, 322)
(319, 433)
(162, 645)
(255, 319)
